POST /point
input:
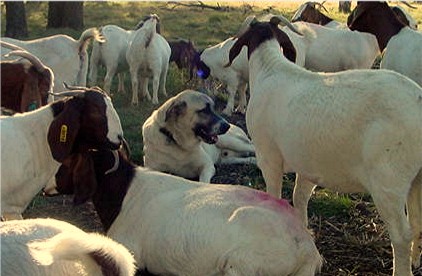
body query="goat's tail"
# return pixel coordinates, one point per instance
(414, 210)
(87, 35)
(90, 249)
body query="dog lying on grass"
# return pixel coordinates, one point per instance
(186, 137)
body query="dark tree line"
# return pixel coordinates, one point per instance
(60, 15)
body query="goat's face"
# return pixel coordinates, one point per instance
(259, 32)
(306, 12)
(193, 111)
(87, 121)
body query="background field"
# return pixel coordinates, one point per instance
(347, 228)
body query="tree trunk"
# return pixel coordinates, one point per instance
(16, 26)
(65, 15)
(344, 6)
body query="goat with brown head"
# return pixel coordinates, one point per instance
(33, 144)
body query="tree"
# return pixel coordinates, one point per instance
(65, 15)
(344, 6)
(16, 26)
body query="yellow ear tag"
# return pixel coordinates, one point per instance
(63, 133)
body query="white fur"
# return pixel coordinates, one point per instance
(175, 226)
(333, 50)
(111, 54)
(236, 76)
(27, 164)
(403, 54)
(358, 130)
(66, 56)
(148, 62)
(54, 247)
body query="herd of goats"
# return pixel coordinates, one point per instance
(317, 107)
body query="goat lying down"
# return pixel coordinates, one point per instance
(352, 131)
(54, 247)
(34, 143)
(175, 226)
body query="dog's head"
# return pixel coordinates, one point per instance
(194, 111)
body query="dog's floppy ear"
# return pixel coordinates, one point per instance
(176, 109)
(64, 129)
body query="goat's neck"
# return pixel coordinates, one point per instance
(384, 31)
(268, 60)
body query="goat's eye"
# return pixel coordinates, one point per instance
(225, 153)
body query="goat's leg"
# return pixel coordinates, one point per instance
(271, 164)
(135, 84)
(230, 101)
(391, 206)
(163, 79)
(93, 67)
(241, 107)
(155, 85)
(301, 194)
(414, 211)
(111, 71)
(121, 77)
(144, 87)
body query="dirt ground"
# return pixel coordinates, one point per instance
(352, 244)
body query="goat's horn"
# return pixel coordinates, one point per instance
(407, 4)
(321, 5)
(116, 162)
(277, 19)
(73, 87)
(68, 93)
(245, 25)
(33, 59)
(10, 46)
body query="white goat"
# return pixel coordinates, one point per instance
(148, 55)
(112, 54)
(54, 247)
(33, 143)
(334, 50)
(64, 55)
(213, 60)
(353, 131)
(175, 226)
(403, 45)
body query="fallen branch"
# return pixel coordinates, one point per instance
(199, 4)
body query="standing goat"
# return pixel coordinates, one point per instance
(148, 55)
(403, 45)
(33, 143)
(54, 247)
(65, 56)
(308, 12)
(175, 226)
(376, 149)
(111, 53)
(24, 87)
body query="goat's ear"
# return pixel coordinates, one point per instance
(83, 177)
(289, 50)
(175, 110)
(64, 129)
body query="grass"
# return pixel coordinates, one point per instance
(205, 27)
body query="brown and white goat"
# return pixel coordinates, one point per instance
(33, 144)
(175, 226)
(67, 57)
(308, 12)
(403, 45)
(24, 86)
(183, 53)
